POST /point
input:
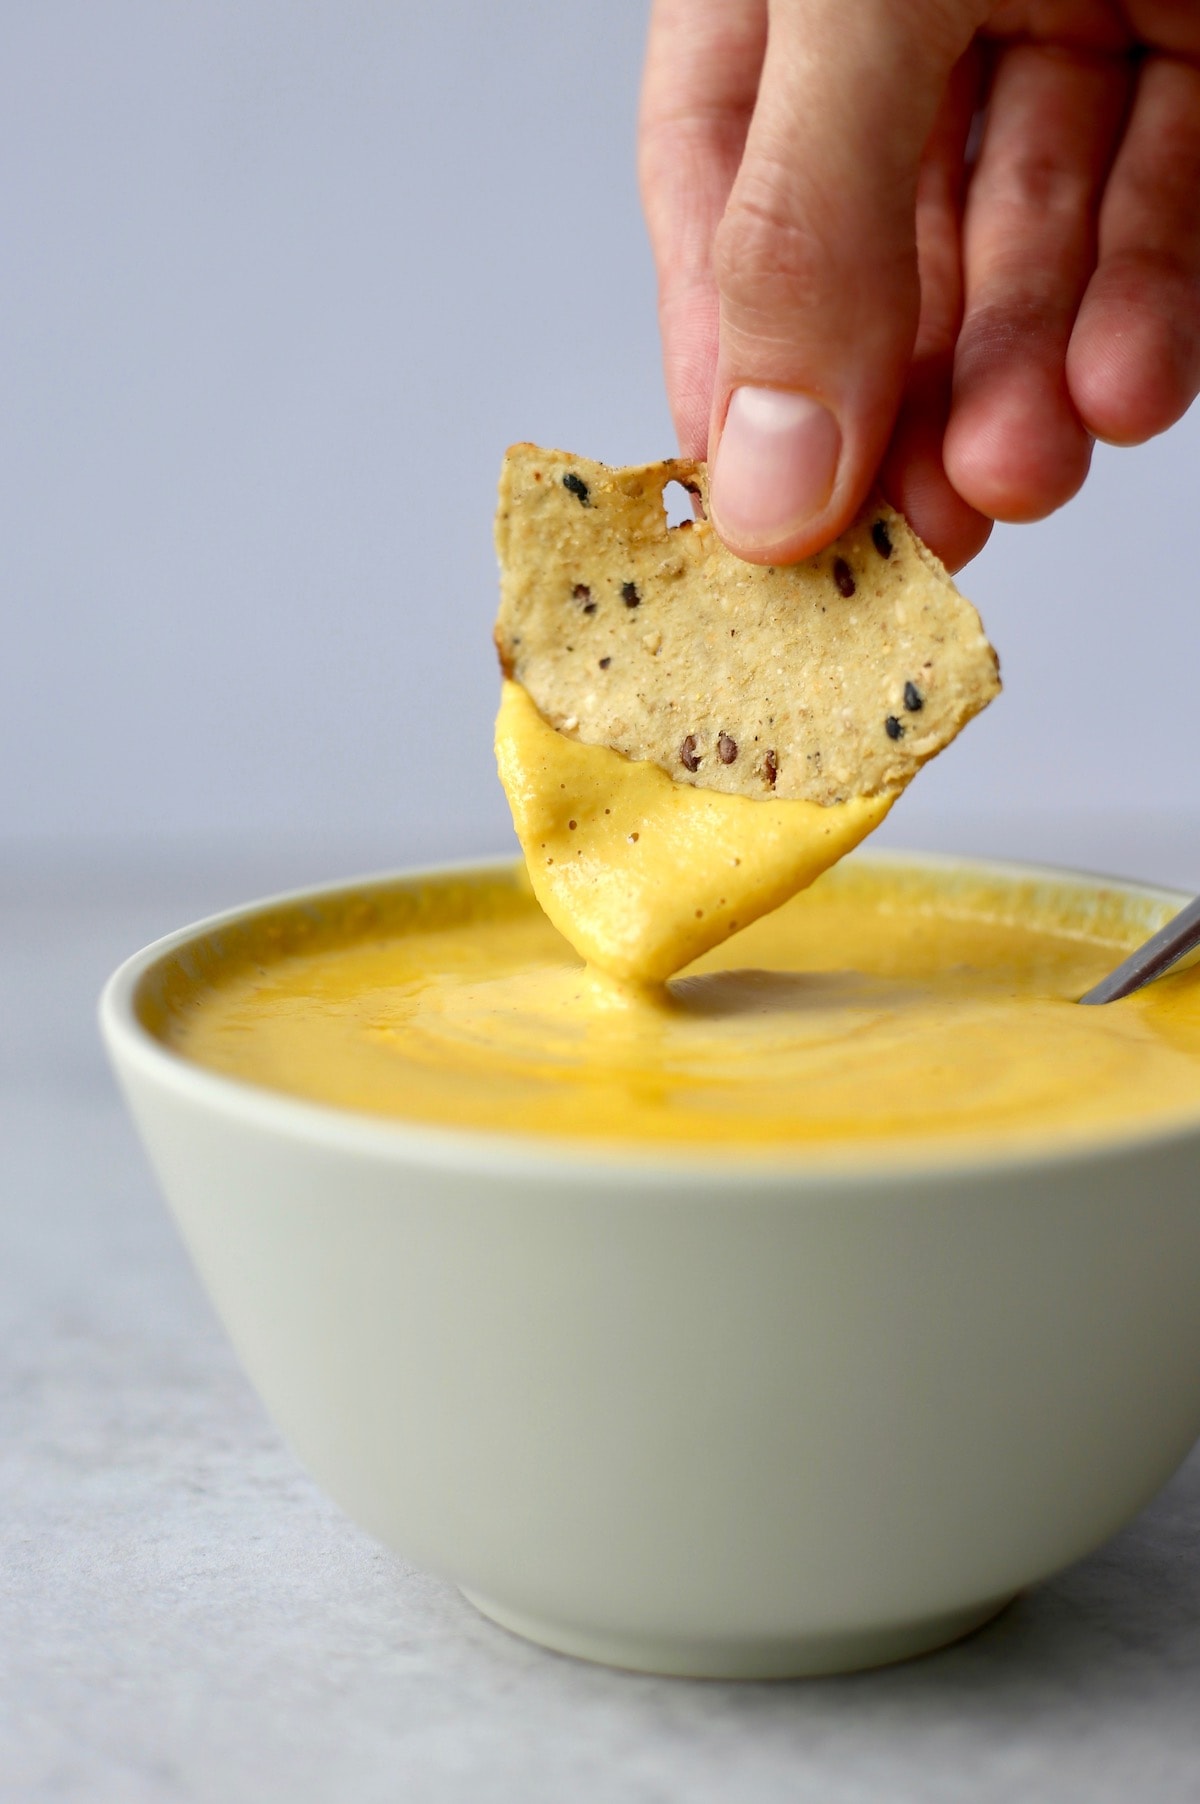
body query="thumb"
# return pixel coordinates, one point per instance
(816, 265)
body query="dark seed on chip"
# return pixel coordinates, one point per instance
(883, 543)
(629, 595)
(842, 577)
(892, 727)
(770, 768)
(572, 825)
(604, 663)
(913, 699)
(581, 592)
(726, 749)
(688, 755)
(577, 486)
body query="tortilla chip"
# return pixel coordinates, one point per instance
(641, 874)
(819, 681)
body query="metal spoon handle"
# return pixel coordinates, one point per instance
(1157, 955)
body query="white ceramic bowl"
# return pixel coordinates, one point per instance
(681, 1417)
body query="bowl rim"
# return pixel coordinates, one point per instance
(133, 1048)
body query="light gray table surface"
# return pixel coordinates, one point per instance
(184, 1617)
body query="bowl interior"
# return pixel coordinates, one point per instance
(1097, 920)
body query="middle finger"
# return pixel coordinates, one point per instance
(1015, 447)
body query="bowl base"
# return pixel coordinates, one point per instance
(747, 1657)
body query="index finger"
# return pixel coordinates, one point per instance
(703, 62)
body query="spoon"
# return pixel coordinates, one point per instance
(1158, 954)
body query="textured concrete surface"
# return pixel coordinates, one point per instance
(184, 1617)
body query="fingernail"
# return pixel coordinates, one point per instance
(775, 465)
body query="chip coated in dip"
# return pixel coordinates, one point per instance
(642, 874)
(739, 728)
(891, 1007)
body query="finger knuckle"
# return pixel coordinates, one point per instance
(765, 254)
(1043, 184)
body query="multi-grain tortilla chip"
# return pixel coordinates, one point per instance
(819, 681)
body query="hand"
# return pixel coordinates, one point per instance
(856, 286)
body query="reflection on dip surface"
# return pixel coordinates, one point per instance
(891, 1002)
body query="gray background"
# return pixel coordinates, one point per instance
(277, 284)
(280, 281)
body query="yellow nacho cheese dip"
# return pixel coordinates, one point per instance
(643, 874)
(891, 1005)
